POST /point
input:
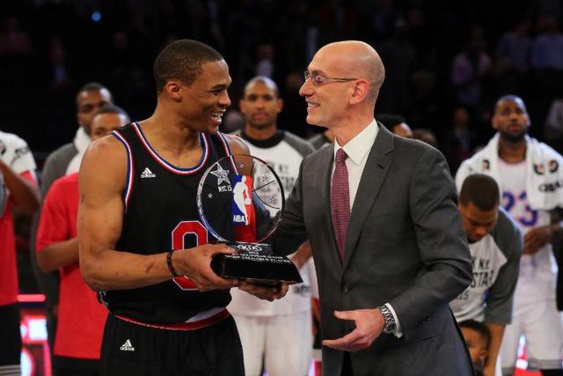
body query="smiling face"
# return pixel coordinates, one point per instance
(260, 105)
(205, 101)
(511, 119)
(342, 84)
(327, 103)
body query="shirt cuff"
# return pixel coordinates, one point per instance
(397, 332)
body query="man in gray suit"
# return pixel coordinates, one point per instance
(386, 277)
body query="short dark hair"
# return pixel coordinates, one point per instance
(266, 80)
(94, 86)
(91, 86)
(112, 109)
(390, 120)
(510, 97)
(480, 328)
(182, 60)
(481, 190)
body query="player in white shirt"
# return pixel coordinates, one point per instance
(495, 242)
(528, 173)
(279, 332)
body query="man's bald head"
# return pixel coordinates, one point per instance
(357, 59)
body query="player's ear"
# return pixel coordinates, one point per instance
(174, 89)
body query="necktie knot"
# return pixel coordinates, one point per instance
(341, 156)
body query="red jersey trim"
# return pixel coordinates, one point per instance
(220, 316)
(167, 165)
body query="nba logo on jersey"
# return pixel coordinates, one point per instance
(242, 200)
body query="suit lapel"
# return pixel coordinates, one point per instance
(375, 170)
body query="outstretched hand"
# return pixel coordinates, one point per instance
(369, 326)
(195, 263)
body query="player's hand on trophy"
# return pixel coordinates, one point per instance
(195, 263)
(269, 293)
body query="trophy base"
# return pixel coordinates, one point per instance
(256, 264)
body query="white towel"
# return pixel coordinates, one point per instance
(81, 142)
(544, 178)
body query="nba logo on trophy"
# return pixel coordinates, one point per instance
(242, 200)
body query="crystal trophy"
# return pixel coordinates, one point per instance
(240, 200)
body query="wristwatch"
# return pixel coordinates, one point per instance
(388, 318)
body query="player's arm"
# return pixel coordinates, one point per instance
(302, 255)
(57, 255)
(100, 219)
(497, 332)
(23, 188)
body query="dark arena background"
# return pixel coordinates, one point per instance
(446, 63)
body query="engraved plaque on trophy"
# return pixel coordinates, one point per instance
(240, 200)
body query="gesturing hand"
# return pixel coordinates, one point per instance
(369, 326)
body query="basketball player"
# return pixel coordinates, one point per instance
(141, 243)
(495, 242)
(528, 173)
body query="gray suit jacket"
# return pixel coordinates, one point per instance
(405, 246)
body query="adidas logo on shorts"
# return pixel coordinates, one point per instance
(147, 174)
(127, 346)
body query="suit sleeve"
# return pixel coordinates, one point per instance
(291, 232)
(442, 243)
(508, 237)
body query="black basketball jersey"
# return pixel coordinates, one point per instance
(161, 214)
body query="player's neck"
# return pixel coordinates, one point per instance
(512, 152)
(260, 134)
(170, 140)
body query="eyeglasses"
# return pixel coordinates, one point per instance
(319, 80)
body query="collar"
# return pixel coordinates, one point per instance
(358, 148)
(81, 140)
(264, 144)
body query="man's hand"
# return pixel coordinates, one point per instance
(264, 292)
(369, 326)
(195, 263)
(537, 238)
(489, 369)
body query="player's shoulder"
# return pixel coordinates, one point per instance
(106, 151)
(507, 233)
(236, 144)
(10, 141)
(303, 146)
(62, 185)
(61, 154)
(67, 180)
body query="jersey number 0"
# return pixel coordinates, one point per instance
(183, 237)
